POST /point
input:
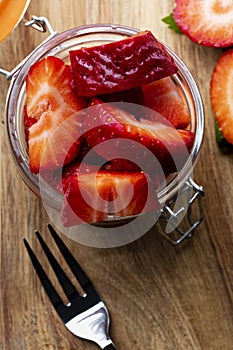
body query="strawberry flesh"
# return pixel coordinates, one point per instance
(51, 101)
(120, 65)
(221, 94)
(206, 22)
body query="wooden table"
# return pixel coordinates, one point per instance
(159, 297)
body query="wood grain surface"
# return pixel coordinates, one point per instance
(159, 297)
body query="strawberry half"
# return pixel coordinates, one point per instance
(206, 22)
(50, 100)
(91, 197)
(120, 65)
(164, 97)
(142, 142)
(221, 94)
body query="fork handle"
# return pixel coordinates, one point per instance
(110, 347)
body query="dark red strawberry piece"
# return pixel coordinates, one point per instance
(50, 100)
(121, 65)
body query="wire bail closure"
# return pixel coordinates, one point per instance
(40, 24)
(170, 218)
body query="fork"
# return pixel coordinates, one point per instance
(86, 316)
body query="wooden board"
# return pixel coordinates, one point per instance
(159, 297)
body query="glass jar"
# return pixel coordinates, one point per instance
(177, 187)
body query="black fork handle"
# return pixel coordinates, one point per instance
(110, 347)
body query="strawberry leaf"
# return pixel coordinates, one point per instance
(169, 20)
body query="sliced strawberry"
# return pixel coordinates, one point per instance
(206, 22)
(142, 142)
(51, 100)
(120, 65)
(221, 94)
(92, 197)
(74, 169)
(28, 122)
(164, 97)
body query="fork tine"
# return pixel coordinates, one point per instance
(71, 261)
(85, 316)
(49, 288)
(68, 287)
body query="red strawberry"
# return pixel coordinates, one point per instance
(92, 197)
(28, 122)
(120, 65)
(221, 94)
(206, 22)
(164, 97)
(142, 142)
(74, 169)
(51, 100)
